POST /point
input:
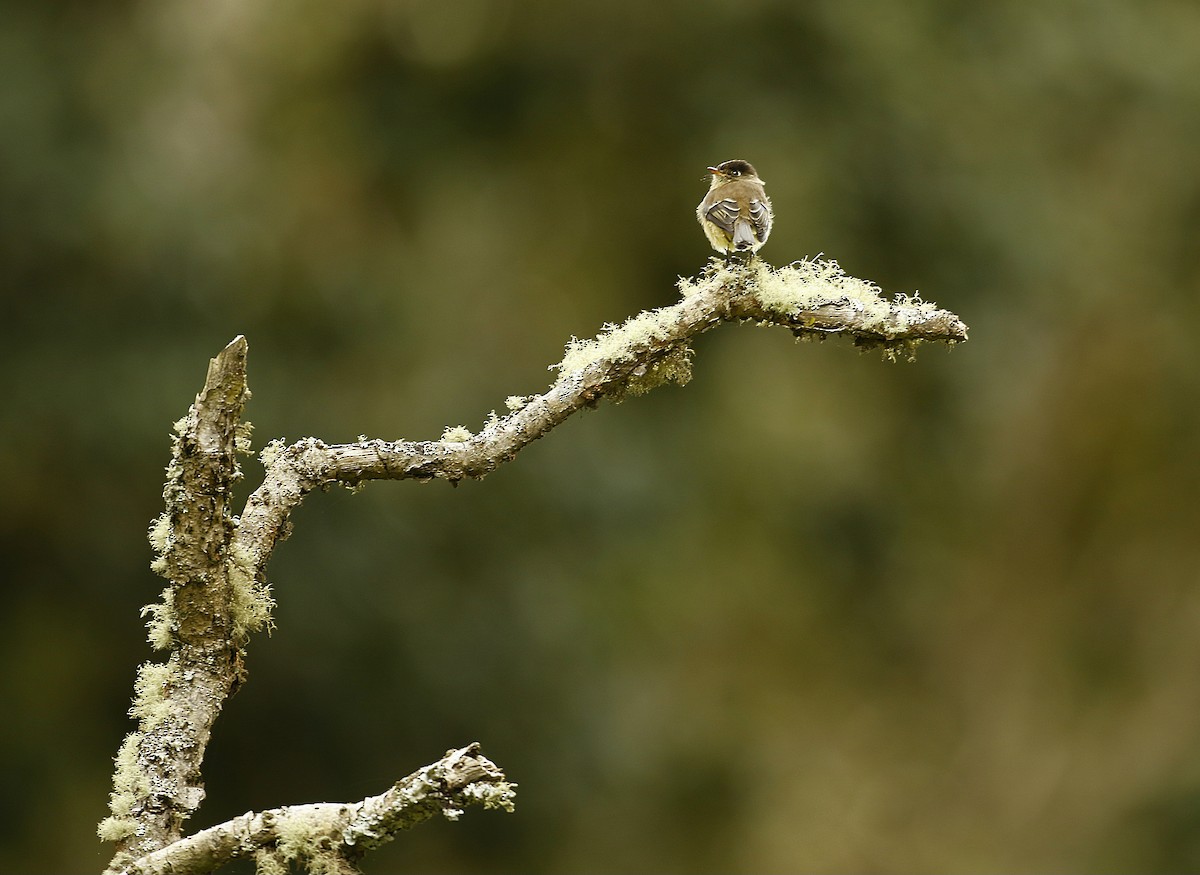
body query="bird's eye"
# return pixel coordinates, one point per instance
(735, 173)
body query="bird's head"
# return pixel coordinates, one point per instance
(730, 171)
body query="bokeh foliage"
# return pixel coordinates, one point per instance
(813, 611)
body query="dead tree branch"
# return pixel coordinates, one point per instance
(330, 836)
(216, 562)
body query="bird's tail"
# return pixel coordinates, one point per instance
(743, 235)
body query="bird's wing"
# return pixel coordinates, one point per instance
(723, 214)
(760, 218)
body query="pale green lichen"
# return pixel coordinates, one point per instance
(114, 829)
(676, 367)
(150, 704)
(813, 283)
(302, 837)
(250, 601)
(908, 305)
(267, 861)
(718, 274)
(129, 786)
(159, 536)
(242, 434)
(455, 434)
(271, 452)
(498, 796)
(517, 402)
(162, 624)
(618, 342)
(299, 832)
(901, 350)
(810, 283)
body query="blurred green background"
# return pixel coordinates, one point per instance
(811, 612)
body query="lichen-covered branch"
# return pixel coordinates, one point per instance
(216, 563)
(157, 783)
(810, 298)
(331, 837)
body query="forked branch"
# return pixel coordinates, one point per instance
(216, 562)
(331, 836)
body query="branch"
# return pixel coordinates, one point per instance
(812, 299)
(329, 836)
(216, 563)
(157, 782)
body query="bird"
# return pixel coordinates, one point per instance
(736, 213)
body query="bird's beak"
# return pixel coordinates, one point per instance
(714, 171)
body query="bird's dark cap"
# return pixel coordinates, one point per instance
(736, 167)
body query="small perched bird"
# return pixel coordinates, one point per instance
(736, 213)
